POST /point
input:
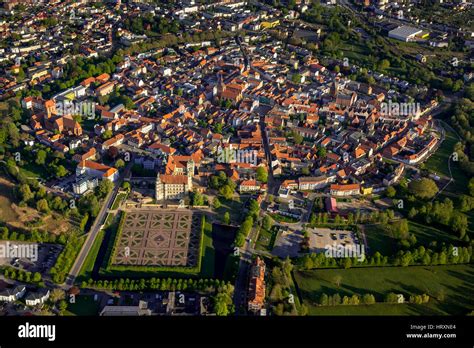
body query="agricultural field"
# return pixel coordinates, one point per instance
(449, 287)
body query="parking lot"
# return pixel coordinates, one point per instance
(288, 243)
(321, 238)
(46, 258)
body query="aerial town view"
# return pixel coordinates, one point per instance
(237, 158)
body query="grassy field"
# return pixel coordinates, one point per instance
(455, 281)
(234, 208)
(438, 163)
(85, 305)
(120, 197)
(266, 239)
(426, 234)
(6, 200)
(208, 257)
(88, 265)
(380, 239)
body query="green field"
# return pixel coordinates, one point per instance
(85, 305)
(266, 239)
(426, 234)
(118, 199)
(380, 239)
(438, 163)
(88, 265)
(208, 257)
(455, 281)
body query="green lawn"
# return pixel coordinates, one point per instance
(266, 239)
(118, 199)
(282, 218)
(88, 265)
(375, 309)
(426, 234)
(31, 170)
(85, 305)
(438, 163)
(234, 208)
(380, 239)
(456, 281)
(208, 257)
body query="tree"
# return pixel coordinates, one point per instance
(322, 152)
(42, 206)
(60, 171)
(412, 213)
(226, 218)
(267, 222)
(296, 78)
(391, 192)
(198, 199)
(25, 192)
(41, 157)
(423, 188)
(57, 295)
(368, 299)
(226, 191)
(337, 279)
(36, 277)
(254, 208)
(107, 134)
(105, 186)
(119, 163)
(62, 306)
(298, 138)
(324, 300)
(459, 224)
(222, 301)
(262, 174)
(216, 203)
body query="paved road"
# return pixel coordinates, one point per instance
(95, 228)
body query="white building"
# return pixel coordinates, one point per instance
(12, 294)
(404, 33)
(36, 298)
(84, 184)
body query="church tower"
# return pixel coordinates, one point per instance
(190, 173)
(220, 85)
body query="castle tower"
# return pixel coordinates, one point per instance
(158, 188)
